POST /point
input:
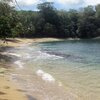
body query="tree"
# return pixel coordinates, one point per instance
(49, 22)
(6, 16)
(17, 31)
(4, 27)
(73, 17)
(28, 21)
(65, 22)
(49, 14)
(87, 23)
(49, 30)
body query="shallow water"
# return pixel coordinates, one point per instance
(65, 70)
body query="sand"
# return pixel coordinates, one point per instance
(8, 90)
(16, 42)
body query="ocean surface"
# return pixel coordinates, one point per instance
(61, 70)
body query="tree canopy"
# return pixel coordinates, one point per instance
(49, 22)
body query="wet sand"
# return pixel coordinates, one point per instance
(38, 89)
(8, 91)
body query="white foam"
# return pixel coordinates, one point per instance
(48, 77)
(19, 63)
(45, 76)
(43, 55)
(40, 72)
(13, 54)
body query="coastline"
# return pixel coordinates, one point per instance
(8, 90)
(39, 80)
(17, 42)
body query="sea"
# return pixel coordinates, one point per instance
(58, 70)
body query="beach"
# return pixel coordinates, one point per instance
(51, 69)
(8, 89)
(17, 42)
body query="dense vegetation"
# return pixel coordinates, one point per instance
(49, 22)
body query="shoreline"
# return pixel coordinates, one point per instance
(8, 90)
(37, 80)
(17, 42)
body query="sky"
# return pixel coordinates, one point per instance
(59, 4)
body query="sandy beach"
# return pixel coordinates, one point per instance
(16, 42)
(41, 75)
(8, 90)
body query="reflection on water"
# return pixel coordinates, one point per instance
(74, 65)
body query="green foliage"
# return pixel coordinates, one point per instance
(8, 19)
(87, 24)
(49, 30)
(49, 14)
(17, 30)
(49, 22)
(4, 27)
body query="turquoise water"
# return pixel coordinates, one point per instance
(73, 63)
(76, 64)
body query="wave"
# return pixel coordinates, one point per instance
(58, 54)
(63, 55)
(12, 54)
(45, 76)
(19, 63)
(44, 55)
